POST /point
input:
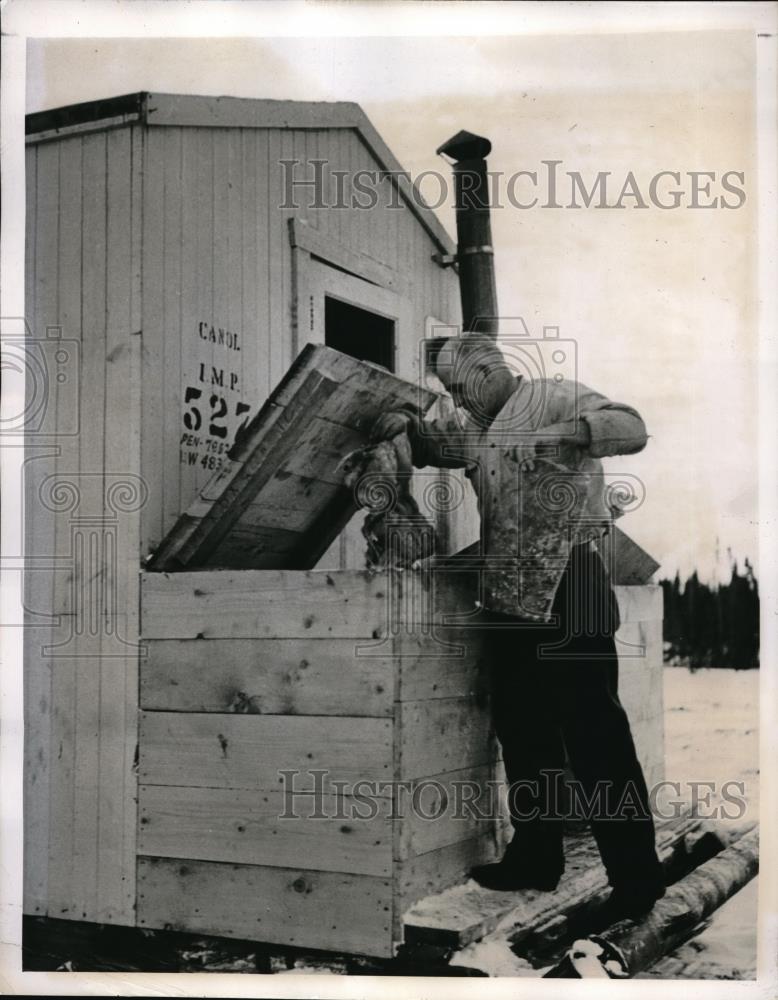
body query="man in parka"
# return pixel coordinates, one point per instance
(554, 674)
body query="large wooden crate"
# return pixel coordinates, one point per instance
(253, 673)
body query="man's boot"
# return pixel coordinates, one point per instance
(628, 902)
(520, 868)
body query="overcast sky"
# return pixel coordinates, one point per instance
(661, 303)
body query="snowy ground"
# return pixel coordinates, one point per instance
(711, 734)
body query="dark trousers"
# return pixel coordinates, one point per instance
(555, 687)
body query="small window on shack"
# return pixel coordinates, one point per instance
(362, 334)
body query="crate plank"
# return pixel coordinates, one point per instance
(434, 871)
(262, 604)
(315, 458)
(365, 382)
(248, 751)
(196, 536)
(640, 690)
(246, 542)
(632, 641)
(290, 906)
(266, 676)
(444, 734)
(281, 513)
(288, 493)
(445, 664)
(444, 809)
(246, 827)
(316, 604)
(640, 604)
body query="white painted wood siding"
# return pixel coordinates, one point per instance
(81, 522)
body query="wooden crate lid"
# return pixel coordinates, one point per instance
(279, 500)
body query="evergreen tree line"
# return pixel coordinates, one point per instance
(712, 626)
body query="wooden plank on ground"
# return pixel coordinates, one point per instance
(266, 828)
(267, 677)
(466, 913)
(249, 751)
(289, 906)
(321, 410)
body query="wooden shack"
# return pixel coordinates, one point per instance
(173, 275)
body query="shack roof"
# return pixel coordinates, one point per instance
(152, 109)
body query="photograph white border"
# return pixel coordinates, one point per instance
(23, 19)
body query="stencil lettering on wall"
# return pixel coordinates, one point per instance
(212, 410)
